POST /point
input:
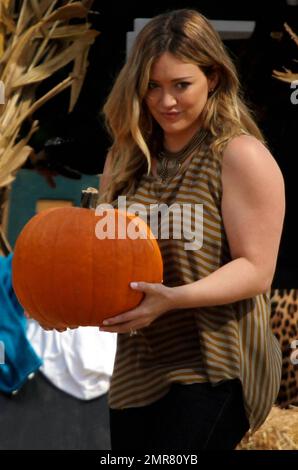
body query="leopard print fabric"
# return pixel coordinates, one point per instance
(284, 322)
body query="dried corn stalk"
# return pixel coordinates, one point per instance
(288, 75)
(36, 40)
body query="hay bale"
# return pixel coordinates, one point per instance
(279, 432)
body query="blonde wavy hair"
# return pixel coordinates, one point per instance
(190, 37)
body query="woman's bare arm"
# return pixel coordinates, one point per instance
(253, 207)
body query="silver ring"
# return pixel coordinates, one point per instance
(133, 332)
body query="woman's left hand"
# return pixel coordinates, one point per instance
(157, 301)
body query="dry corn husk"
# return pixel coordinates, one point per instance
(288, 75)
(279, 432)
(36, 40)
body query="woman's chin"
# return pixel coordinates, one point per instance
(172, 128)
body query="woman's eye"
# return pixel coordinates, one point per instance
(182, 85)
(151, 86)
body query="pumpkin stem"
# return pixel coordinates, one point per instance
(89, 198)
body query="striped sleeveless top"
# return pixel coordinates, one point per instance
(200, 344)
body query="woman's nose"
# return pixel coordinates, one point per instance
(168, 99)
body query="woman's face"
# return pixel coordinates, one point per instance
(176, 96)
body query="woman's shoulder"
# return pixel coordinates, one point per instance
(247, 153)
(244, 143)
(246, 158)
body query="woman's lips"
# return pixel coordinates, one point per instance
(170, 116)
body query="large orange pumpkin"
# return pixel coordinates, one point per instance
(64, 275)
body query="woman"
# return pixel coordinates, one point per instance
(196, 362)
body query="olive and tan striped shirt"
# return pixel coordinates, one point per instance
(200, 344)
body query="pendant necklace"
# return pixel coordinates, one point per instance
(168, 163)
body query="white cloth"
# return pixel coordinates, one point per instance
(79, 362)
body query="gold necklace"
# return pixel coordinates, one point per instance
(168, 163)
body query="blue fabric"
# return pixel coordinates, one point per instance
(20, 359)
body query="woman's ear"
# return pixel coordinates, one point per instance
(213, 80)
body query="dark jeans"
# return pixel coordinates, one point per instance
(189, 417)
